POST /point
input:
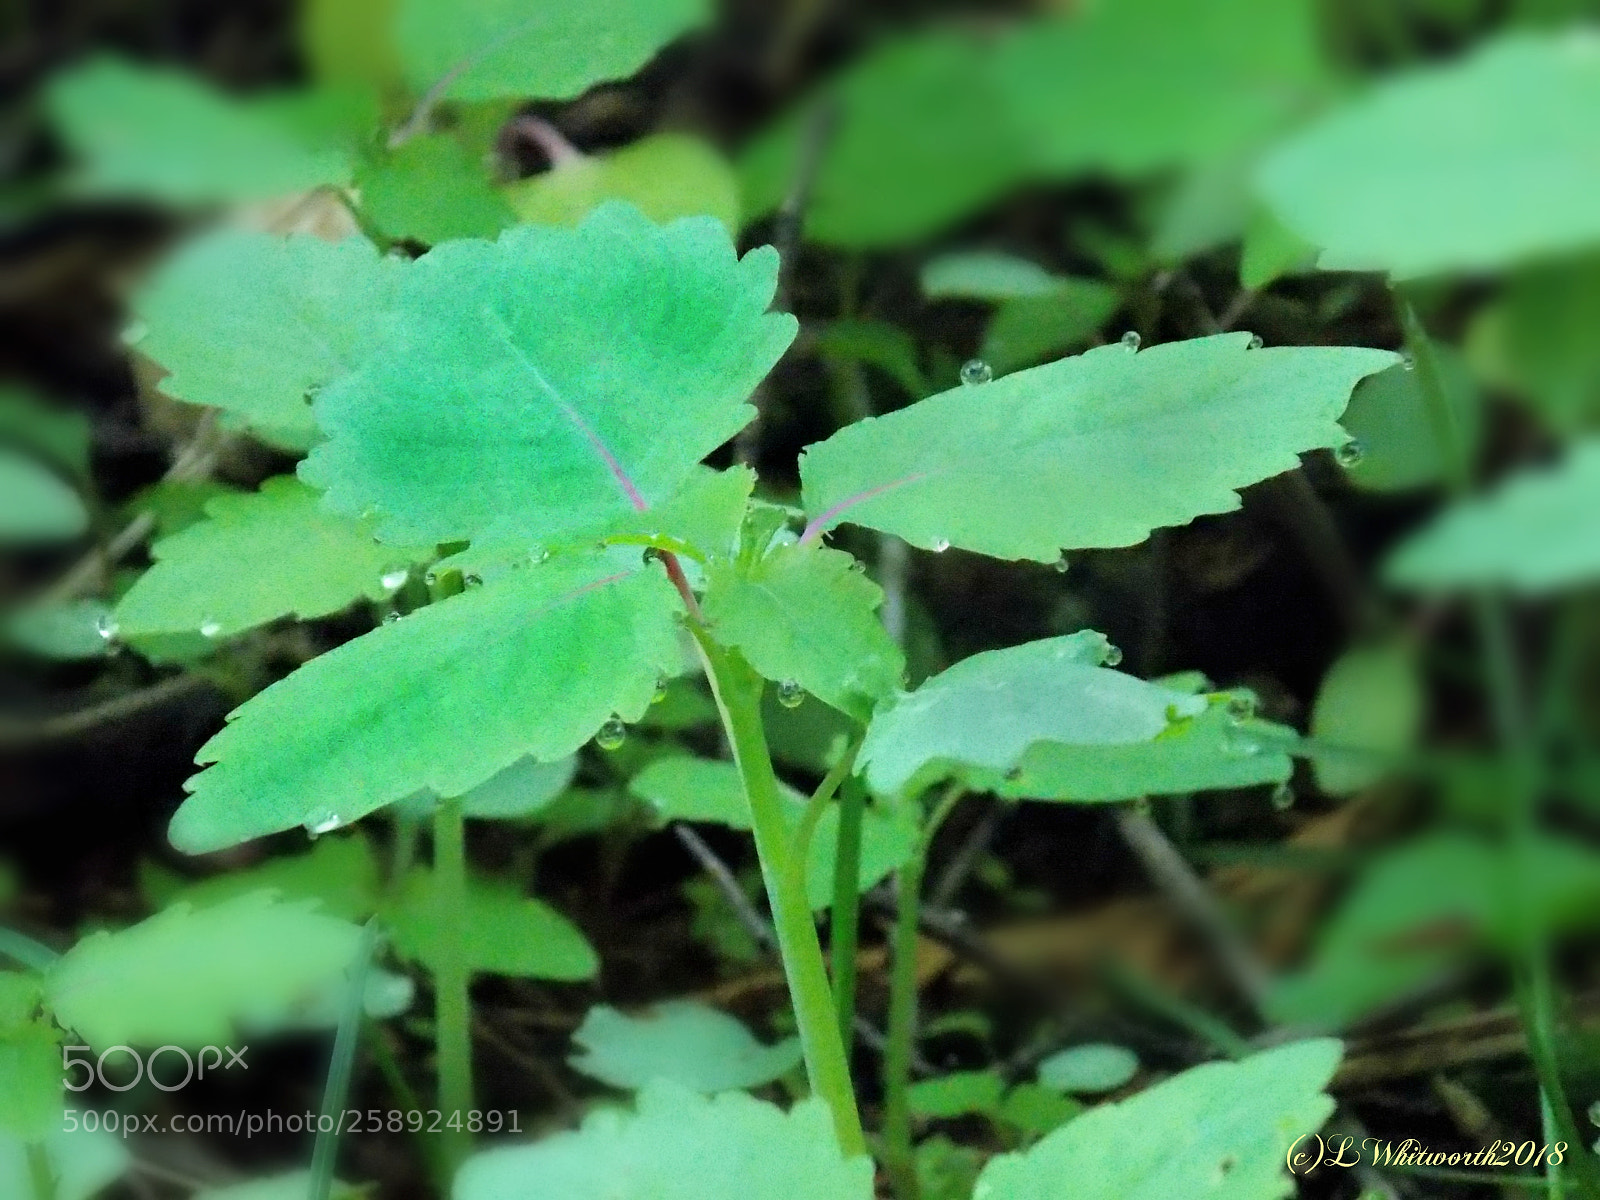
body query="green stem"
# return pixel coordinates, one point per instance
(451, 980)
(738, 692)
(844, 930)
(41, 1172)
(341, 1064)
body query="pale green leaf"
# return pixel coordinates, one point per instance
(430, 189)
(682, 1041)
(1090, 1067)
(558, 379)
(1209, 206)
(521, 790)
(1219, 1129)
(253, 324)
(986, 275)
(1370, 700)
(1389, 417)
(258, 557)
(1092, 451)
(166, 135)
(808, 614)
(20, 994)
(988, 709)
(1469, 166)
(488, 49)
(85, 1163)
(340, 873)
(444, 699)
(191, 976)
(1536, 532)
(666, 176)
(30, 1080)
(504, 932)
(678, 1146)
(72, 629)
(35, 504)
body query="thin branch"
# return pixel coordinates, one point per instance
(68, 725)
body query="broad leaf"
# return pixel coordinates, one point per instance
(988, 709)
(162, 134)
(1536, 532)
(678, 1146)
(682, 1041)
(1220, 1129)
(557, 378)
(84, 1163)
(1091, 451)
(253, 324)
(1389, 417)
(191, 976)
(488, 49)
(667, 176)
(530, 664)
(1370, 700)
(269, 554)
(807, 615)
(505, 932)
(35, 504)
(1473, 165)
(430, 190)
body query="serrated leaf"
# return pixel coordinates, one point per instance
(84, 1163)
(1371, 699)
(30, 1081)
(1536, 532)
(489, 49)
(559, 378)
(678, 1146)
(120, 122)
(1093, 451)
(35, 504)
(806, 614)
(666, 176)
(1389, 417)
(70, 630)
(191, 976)
(505, 932)
(429, 190)
(252, 324)
(682, 1041)
(1474, 165)
(988, 709)
(531, 664)
(1221, 1129)
(258, 557)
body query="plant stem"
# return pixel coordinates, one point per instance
(844, 931)
(341, 1062)
(451, 979)
(41, 1171)
(738, 692)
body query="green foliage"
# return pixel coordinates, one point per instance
(429, 190)
(666, 176)
(488, 49)
(1096, 450)
(678, 1146)
(254, 324)
(959, 1094)
(340, 873)
(1534, 533)
(506, 933)
(191, 976)
(682, 1041)
(1090, 1067)
(561, 378)
(420, 703)
(56, 436)
(35, 504)
(73, 629)
(268, 554)
(1272, 250)
(119, 121)
(1370, 700)
(30, 1062)
(1217, 1129)
(523, 789)
(1474, 165)
(807, 614)
(878, 344)
(84, 1163)
(1389, 417)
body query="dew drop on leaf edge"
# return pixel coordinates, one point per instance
(1283, 797)
(940, 545)
(975, 371)
(1257, 341)
(1241, 707)
(210, 627)
(106, 626)
(611, 735)
(394, 576)
(1112, 657)
(791, 694)
(660, 693)
(322, 822)
(1349, 454)
(1131, 340)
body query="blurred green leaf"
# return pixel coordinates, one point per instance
(176, 504)
(505, 932)
(30, 1081)
(879, 344)
(293, 1186)
(1090, 1067)
(1371, 699)
(1388, 416)
(1033, 1110)
(959, 1094)
(429, 190)
(340, 873)
(350, 41)
(70, 630)
(946, 1170)
(85, 1163)
(59, 436)
(665, 176)
(682, 1041)
(1272, 250)
(35, 505)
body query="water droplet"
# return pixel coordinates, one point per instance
(1594, 1113)
(473, 580)
(390, 617)
(1013, 774)
(1241, 707)
(859, 567)
(210, 627)
(975, 371)
(1283, 797)
(1257, 341)
(612, 734)
(1061, 565)
(319, 823)
(660, 693)
(135, 333)
(431, 579)
(940, 545)
(395, 575)
(1112, 657)
(106, 626)
(790, 693)
(1408, 362)
(540, 556)
(1131, 340)
(1349, 454)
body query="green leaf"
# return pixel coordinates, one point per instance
(35, 505)
(1223, 1128)
(70, 630)
(1211, 80)
(988, 709)
(191, 976)
(1389, 417)
(488, 49)
(682, 1041)
(1034, 1110)
(175, 504)
(879, 344)
(253, 324)
(524, 788)
(123, 122)
(1090, 1067)
(807, 614)
(559, 378)
(506, 933)
(986, 275)
(959, 1094)
(430, 190)
(666, 176)
(1371, 699)
(921, 140)
(1533, 533)
(258, 557)
(340, 873)
(84, 1163)
(20, 994)
(1272, 250)
(678, 1146)
(1092, 451)
(1474, 165)
(58, 436)
(531, 664)
(30, 1081)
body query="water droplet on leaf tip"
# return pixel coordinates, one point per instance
(857, 566)
(394, 576)
(106, 626)
(1257, 341)
(1112, 656)
(790, 693)
(1061, 565)
(431, 579)
(940, 545)
(660, 693)
(1283, 797)
(472, 580)
(135, 333)
(1131, 340)
(390, 617)
(612, 734)
(1241, 707)
(975, 371)
(320, 823)
(1408, 362)
(210, 628)
(1349, 454)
